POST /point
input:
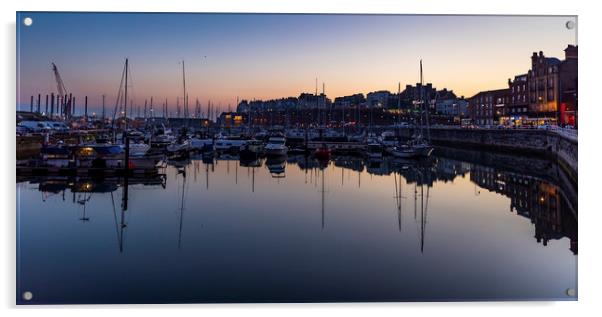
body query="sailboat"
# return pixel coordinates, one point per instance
(418, 146)
(421, 145)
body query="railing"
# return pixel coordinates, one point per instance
(566, 132)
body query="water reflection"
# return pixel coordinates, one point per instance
(271, 203)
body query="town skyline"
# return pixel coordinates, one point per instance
(264, 63)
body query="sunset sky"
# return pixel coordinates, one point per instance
(262, 56)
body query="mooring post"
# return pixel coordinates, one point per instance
(51, 104)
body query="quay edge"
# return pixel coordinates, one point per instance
(549, 144)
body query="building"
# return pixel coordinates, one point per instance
(352, 101)
(378, 99)
(429, 94)
(485, 107)
(418, 92)
(452, 107)
(567, 114)
(312, 101)
(544, 81)
(230, 119)
(553, 87)
(516, 110)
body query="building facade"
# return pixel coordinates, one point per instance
(486, 107)
(553, 87)
(544, 84)
(516, 110)
(352, 101)
(378, 99)
(456, 107)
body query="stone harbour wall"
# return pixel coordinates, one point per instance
(540, 142)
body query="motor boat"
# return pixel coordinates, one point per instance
(175, 147)
(251, 150)
(276, 146)
(137, 149)
(388, 139)
(227, 143)
(403, 151)
(200, 144)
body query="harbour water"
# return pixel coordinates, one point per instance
(462, 226)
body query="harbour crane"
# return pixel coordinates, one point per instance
(60, 85)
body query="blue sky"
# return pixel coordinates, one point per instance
(276, 55)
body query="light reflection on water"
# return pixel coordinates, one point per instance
(456, 228)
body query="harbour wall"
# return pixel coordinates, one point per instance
(550, 144)
(536, 166)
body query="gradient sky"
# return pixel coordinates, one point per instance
(261, 56)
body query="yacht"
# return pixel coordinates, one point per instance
(228, 143)
(200, 144)
(421, 147)
(388, 139)
(276, 146)
(178, 147)
(251, 150)
(137, 149)
(404, 151)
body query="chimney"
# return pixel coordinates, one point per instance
(570, 52)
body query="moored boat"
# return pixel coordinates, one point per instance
(322, 153)
(276, 146)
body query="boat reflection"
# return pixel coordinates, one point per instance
(276, 165)
(540, 194)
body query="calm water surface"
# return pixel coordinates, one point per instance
(466, 226)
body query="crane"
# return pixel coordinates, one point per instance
(60, 86)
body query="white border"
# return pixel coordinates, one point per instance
(590, 113)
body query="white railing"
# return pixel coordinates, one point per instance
(566, 132)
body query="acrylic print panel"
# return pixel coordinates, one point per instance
(226, 158)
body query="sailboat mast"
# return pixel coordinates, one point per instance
(399, 101)
(185, 106)
(421, 82)
(426, 108)
(125, 98)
